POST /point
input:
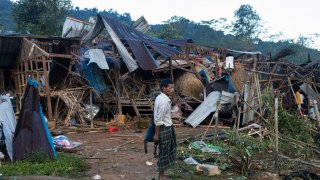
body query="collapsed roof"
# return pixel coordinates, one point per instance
(139, 43)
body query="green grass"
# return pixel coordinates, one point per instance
(64, 165)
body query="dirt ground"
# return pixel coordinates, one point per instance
(127, 162)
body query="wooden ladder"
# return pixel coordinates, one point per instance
(142, 107)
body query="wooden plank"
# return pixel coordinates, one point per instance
(135, 108)
(184, 69)
(47, 90)
(143, 88)
(55, 55)
(168, 68)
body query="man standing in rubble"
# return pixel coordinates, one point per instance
(164, 132)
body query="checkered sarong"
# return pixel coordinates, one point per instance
(167, 148)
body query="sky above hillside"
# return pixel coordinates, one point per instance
(291, 17)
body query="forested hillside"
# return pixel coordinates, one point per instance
(6, 20)
(240, 36)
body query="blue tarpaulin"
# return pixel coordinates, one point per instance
(31, 134)
(94, 76)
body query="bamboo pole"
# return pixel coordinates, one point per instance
(277, 136)
(117, 75)
(250, 98)
(216, 125)
(216, 128)
(91, 109)
(257, 112)
(238, 120)
(258, 91)
(205, 133)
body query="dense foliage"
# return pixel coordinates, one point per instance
(40, 17)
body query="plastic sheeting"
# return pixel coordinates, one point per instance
(32, 134)
(95, 31)
(96, 56)
(208, 106)
(95, 77)
(64, 142)
(8, 120)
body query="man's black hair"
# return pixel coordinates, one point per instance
(165, 83)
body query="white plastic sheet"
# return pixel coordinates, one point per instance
(97, 56)
(229, 62)
(8, 120)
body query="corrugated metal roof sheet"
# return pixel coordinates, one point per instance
(142, 25)
(137, 41)
(136, 38)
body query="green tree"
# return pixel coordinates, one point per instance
(247, 24)
(172, 28)
(43, 17)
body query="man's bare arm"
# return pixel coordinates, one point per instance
(157, 132)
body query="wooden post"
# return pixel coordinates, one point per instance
(277, 135)
(117, 80)
(47, 89)
(91, 109)
(238, 120)
(216, 122)
(245, 105)
(171, 70)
